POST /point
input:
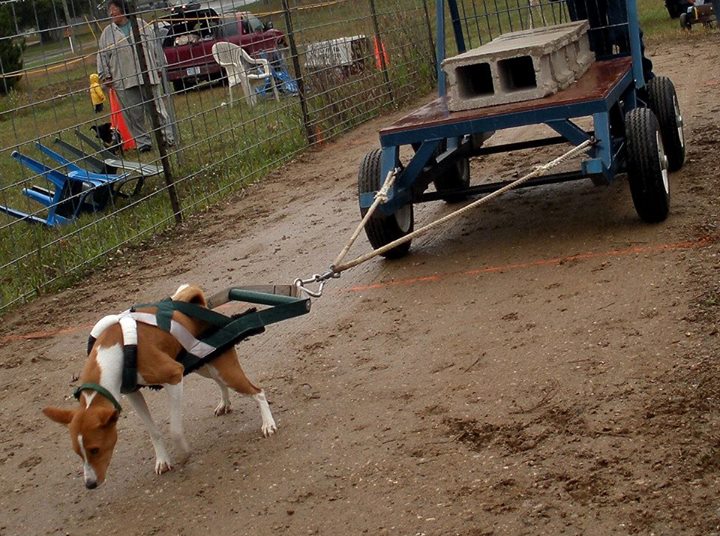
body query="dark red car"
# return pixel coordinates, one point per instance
(190, 32)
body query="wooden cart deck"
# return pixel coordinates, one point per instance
(598, 84)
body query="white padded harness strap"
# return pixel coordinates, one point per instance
(184, 337)
(127, 324)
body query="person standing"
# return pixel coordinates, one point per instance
(119, 68)
(97, 96)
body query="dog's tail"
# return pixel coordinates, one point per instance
(190, 294)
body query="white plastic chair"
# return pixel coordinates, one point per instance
(242, 69)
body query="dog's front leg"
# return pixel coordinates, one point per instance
(175, 393)
(268, 423)
(162, 460)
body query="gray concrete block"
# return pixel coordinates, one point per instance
(518, 66)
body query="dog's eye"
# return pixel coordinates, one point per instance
(94, 451)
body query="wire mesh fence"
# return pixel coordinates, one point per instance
(119, 119)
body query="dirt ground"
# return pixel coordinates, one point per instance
(544, 365)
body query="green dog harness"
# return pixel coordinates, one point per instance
(222, 333)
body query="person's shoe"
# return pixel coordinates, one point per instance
(145, 148)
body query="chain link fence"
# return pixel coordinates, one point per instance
(117, 119)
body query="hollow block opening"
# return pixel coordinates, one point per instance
(475, 80)
(517, 74)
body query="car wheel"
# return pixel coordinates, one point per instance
(381, 229)
(664, 103)
(647, 166)
(457, 177)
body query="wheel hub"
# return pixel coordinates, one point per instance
(662, 158)
(679, 121)
(404, 217)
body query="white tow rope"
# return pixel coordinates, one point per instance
(381, 197)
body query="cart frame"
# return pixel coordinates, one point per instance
(443, 140)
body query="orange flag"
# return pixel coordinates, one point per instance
(118, 122)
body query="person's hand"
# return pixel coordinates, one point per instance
(107, 82)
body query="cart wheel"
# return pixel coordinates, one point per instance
(380, 228)
(457, 178)
(647, 166)
(684, 23)
(663, 102)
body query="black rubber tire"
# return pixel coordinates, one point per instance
(380, 228)
(684, 22)
(457, 178)
(664, 103)
(647, 166)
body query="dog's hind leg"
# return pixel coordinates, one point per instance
(175, 393)
(227, 372)
(162, 460)
(223, 408)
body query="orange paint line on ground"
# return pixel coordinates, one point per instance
(556, 261)
(44, 334)
(635, 250)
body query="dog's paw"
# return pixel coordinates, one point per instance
(269, 428)
(162, 466)
(222, 409)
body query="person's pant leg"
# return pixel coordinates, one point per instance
(134, 114)
(165, 123)
(716, 9)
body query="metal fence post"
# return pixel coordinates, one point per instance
(430, 39)
(380, 51)
(154, 118)
(309, 133)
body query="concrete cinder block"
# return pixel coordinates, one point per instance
(518, 66)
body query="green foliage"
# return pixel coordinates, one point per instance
(10, 51)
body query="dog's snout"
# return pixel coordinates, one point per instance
(91, 484)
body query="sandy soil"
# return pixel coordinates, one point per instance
(544, 365)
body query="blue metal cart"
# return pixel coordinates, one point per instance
(636, 129)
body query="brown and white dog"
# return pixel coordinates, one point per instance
(93, 423)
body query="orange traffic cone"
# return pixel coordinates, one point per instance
(118, 122)
(378, 49)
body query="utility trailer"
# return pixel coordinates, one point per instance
(636, 128)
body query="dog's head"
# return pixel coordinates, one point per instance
(104, 132)
(93, 433)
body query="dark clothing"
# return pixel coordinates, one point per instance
(608, 28)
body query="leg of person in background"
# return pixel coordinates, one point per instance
(716, 9)
(617, 18)
(134, 113)
(165, 123)
(608, 19)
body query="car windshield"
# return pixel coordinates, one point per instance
(190, 26)
(255, 24)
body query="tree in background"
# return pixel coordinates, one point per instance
(11, 50)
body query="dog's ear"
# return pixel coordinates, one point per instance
(108, 417)
(60, 415)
